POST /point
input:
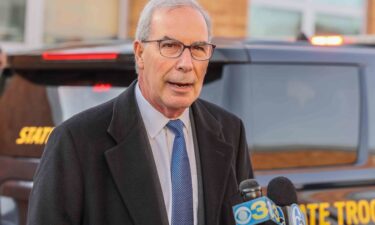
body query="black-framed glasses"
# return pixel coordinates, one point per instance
(173, 49)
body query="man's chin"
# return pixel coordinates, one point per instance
(176, 108)
(179, 103)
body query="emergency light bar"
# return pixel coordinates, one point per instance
(335, 40)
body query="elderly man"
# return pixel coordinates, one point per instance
(156, 154)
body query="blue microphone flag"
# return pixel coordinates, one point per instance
(257, 211)
(297, 217)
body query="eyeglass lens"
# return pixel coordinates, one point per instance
(173, 48)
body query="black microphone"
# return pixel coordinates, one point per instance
(250, 189)
(256, 209)
(282, 191)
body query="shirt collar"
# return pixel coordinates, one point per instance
(154, 120)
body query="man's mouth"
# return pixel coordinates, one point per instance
(181, 85)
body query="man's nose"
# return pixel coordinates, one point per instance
(185, 61)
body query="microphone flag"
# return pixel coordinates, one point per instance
(257, 211)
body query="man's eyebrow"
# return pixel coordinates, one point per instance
(168, 38)
(200, 43)
(194, 43)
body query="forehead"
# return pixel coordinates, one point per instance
(183, 23)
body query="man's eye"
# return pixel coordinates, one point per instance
(199, 48)
(169, 45)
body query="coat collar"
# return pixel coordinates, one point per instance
(137, 180)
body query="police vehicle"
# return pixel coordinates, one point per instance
(309, 113)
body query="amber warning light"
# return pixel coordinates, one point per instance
(335, 40)
(53, 56)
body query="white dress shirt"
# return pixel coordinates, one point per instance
(161, 141)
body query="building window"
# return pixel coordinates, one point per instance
(288, 18)
(12, 20)
(77, 20)
(348, 3)
(274, 22)
(331, 24)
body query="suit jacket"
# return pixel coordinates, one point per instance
(98, 168)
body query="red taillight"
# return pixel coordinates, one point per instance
(102, 87)
(50, 56)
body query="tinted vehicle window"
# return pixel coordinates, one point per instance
(70, 100)
(295, 115)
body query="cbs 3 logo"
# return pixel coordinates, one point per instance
(257, 211)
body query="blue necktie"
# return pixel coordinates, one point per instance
(182, 194)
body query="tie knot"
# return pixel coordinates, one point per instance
(176, 127)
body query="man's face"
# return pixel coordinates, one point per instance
(172, 84)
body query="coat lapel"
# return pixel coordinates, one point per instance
(131, 163)
(216, 157)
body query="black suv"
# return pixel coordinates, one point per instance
(308, 112)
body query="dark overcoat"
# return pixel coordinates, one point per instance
(98, 168)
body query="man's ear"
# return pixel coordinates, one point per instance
(138, 53)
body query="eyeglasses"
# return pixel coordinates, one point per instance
(173, 49)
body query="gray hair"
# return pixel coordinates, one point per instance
(144, 24)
